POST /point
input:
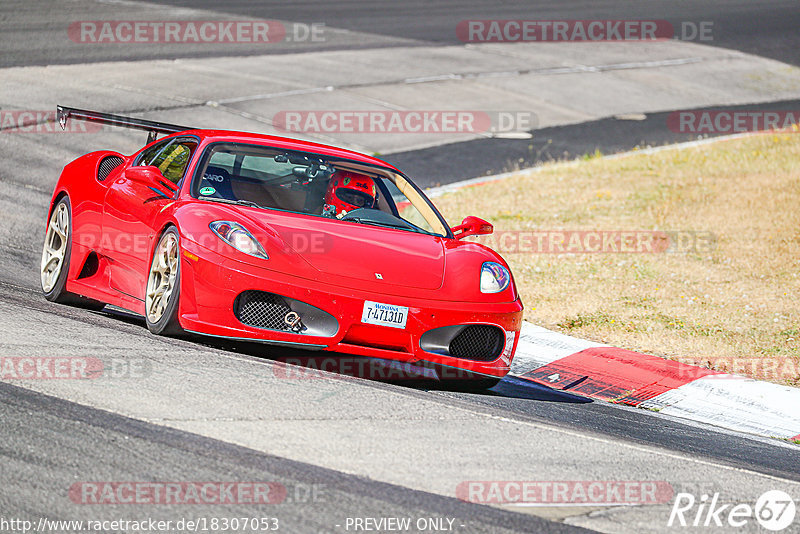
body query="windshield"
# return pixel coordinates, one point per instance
(312, 184)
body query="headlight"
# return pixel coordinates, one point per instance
(494, 277)
(239, 238)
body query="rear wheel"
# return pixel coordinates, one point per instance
(56, 256)
(163, 286)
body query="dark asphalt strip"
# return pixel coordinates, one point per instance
(766, 28)
(49, 444)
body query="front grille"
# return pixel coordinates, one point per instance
(262, 310)
(478, 342)
(108, 164)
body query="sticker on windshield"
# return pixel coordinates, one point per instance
(206, 191)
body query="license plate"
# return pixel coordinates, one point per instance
(384, 314)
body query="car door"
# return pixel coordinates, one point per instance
(132, 205)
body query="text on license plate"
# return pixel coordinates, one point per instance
(384, 314)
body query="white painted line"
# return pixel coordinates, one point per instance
(434, 78)
(650, 64)
(575, 69)
(471, 75)
(267, 96)
(511, 135)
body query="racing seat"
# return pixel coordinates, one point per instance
(220, 180)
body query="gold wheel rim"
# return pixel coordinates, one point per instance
(55, 247)
(162, 278)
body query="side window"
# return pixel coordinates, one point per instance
(173, 160)
(171, 156)
(148, 155)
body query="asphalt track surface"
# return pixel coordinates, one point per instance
(766, 29)
(40, 458)
(48, 442)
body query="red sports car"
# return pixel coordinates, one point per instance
(274, 240)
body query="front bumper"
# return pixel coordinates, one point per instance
(211, 284)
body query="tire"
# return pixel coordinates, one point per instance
(56, 255)
(162, 293)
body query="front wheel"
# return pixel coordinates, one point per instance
(163, 286)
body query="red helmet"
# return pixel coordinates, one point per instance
(348, 191)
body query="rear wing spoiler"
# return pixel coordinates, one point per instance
(153, 128)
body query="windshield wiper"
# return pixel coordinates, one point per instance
(249, 203)
(379, 218)
(384, 224)
(241, 202)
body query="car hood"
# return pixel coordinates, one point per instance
(345, 252)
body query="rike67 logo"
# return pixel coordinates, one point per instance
(774, 511)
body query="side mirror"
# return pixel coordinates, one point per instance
(152, 176)
(472, 226)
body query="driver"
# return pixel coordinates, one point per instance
(348, 191)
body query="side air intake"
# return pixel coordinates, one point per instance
(108, 164)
